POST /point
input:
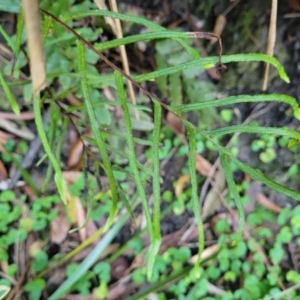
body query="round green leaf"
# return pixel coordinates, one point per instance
(268, 155)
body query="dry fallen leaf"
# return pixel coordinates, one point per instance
(118, 267)
(139, 261)
(73, 99)
(252, 192)
(81, 219)
(175, 123)
(120, 290)
(267, 203)
(28, 115)
(11, 127)
(203, 166)
(60, 226)
(219, 27)
(27, 190)
(181, 183)
(190, 234)
(205, 254)
(75, 154)
(3, 171)
(71, 176)
(212, 200)
(4, 266)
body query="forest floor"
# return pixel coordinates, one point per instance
(245, 31)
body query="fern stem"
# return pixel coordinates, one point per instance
(234, 193)
(59, 180)
(191, 132)
(131, 150)
(98, 138)
(134, 167)
(156, 170)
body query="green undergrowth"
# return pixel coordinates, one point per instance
(71, 56)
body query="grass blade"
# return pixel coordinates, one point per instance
(208, 61)
(7, 38)
(90, 259)
(255, 129)
(142, 37)
(191, 132)
(58, 178)
(241, 99)
(20, 26)
(98, 138)
(127, 205)
(122, 17)
(146, 170)
(18, 42)
(234, 193)
(154, 249)
(257, 175)
(134, 168)
(13, 103)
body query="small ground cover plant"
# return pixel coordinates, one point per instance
(112, 176)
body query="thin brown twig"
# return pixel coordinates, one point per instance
(284, 292)
(24, 116)
(35, 45)
(271, 42)
(291, 15)
(124, 58)
(230, 7)
(11, 279)
(18, 286)
(209, 35)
